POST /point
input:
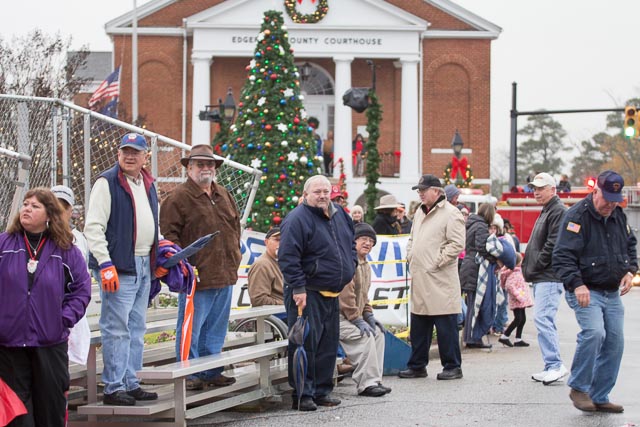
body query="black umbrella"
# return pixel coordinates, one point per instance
(297, 335)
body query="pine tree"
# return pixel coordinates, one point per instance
(271, 132)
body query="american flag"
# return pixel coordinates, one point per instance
(108, 89)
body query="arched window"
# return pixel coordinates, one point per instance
(314, 80)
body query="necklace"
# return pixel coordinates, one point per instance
(32, 264)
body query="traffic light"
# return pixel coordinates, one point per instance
(631, 126)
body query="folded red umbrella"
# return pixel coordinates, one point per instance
(10, 404)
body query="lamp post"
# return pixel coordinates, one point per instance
(222, 113)
(457, 144)
(305, 71)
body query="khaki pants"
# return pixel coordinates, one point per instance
(365, 352)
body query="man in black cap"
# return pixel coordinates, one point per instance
(437, 238)
(595, 257)
(361, 335)
(265, 283)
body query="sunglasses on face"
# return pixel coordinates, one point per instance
(204, 163)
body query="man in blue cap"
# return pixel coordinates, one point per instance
(122, 232)
(595, 257)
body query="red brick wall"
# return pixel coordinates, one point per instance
(456, 77)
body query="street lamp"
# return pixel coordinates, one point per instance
(305, 71)
(457, 144)
(222, 111)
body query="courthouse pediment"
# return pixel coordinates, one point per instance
(352, 14)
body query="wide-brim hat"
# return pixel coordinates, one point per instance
(388, 201)
(201, 152)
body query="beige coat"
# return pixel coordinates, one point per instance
(436, 240)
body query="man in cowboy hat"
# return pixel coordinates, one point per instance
(197, 207)
(386, 221)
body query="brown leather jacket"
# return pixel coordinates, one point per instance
(188, 213)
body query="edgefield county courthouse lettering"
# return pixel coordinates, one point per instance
(314, 40)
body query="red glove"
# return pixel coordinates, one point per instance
(109, 276)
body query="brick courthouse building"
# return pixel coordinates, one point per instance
(432, 58)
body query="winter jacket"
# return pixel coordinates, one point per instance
(317, 252)
(517, 288)
(386, 224)
(592, 250)
(40, 316)
(537, 265)
(354, 298)
(265, 283)
(120, 232)
(477, 232)
(188, 213)
(436, 240)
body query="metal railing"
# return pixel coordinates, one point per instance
(45, 142)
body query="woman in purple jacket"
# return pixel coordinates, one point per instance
(44, 291)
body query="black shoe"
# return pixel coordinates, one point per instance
(413, 373)
(478, 345)
(450, 374)
(373, 391)
(119, 398)
(505, 342)
(140, 394)
(221, 381)
(306, 404)
(327, 401)
(520, 344)
(386, 389)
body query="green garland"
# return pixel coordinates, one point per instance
(462, 183)
(372, 171)
(310, 18)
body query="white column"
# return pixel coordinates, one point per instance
(410, 161)
(200, 130)
(342, 121)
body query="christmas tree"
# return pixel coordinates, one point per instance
(271, 132)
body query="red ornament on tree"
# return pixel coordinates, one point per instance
(267, 127)
(296, 120)
(277, 220)
(274, 76)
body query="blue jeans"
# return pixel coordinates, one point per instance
(547, 299)
(210, 324)
(502, 316)
(122, 326)
(600, 344)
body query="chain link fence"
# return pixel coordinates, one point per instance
(46, 142)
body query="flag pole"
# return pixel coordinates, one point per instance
(134, 65)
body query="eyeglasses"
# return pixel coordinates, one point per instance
(204, 163)
(365, 239)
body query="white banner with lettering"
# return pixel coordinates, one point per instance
(390, 281)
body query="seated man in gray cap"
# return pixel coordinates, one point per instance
(361, 335)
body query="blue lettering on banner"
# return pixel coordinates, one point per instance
(377, 269)
(250, 247)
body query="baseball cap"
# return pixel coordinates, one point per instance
(335, 192)
(542, 180)
(427, 181)
(64, 193)
(611, 184)
(134, 140)
(274, 231)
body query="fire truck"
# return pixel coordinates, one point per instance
(522, 210)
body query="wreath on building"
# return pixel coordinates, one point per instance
(310, 18)
(459, 173)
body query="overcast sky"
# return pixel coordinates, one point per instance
(564, 54)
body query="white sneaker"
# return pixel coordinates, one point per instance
(554, 375)
(539, 376)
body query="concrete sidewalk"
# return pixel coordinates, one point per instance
(496, 390)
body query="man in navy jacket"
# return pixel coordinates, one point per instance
(595, 257)
(317, 257)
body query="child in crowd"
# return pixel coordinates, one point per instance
(519, 299)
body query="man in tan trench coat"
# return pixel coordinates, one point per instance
(437, 238)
